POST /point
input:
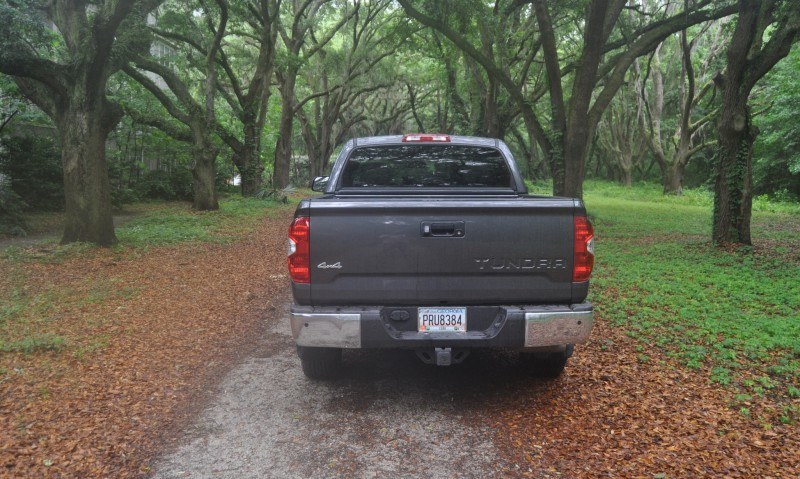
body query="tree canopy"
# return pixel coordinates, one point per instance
(268, 90)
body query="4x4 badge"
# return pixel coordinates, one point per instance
(324, 265)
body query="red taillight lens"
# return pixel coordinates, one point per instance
(584, 250)
(299, 250)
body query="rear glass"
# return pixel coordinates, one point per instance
(426, 166)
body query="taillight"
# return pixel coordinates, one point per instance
(299, 250)
(584, 250)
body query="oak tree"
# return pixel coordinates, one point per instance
(61, 54)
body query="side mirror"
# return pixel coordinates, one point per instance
(320, 183)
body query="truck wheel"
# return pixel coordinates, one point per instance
(320, 363)
(548, 366)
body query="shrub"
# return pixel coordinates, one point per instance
(166, 185)
(11, 206)
(33, 163)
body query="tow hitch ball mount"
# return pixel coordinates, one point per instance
(442, 356)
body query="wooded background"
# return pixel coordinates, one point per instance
(108, 102)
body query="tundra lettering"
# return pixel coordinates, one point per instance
(520, 263)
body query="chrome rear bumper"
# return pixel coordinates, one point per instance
(515, 327)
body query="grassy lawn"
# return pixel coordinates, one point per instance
(734, 315)
(175, 223)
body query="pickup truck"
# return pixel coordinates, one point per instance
(431, 243)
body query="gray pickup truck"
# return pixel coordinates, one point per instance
(432, 243)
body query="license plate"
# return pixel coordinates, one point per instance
(437, 320)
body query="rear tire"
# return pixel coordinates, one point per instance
(548, 365)
(320, 363)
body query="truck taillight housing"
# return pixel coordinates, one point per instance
(299, 250)
(583, 259)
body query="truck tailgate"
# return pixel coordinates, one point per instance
(429, 251)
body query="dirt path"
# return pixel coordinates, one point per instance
(389, 416)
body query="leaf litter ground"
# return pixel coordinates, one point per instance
(160, 326)
(138, 363)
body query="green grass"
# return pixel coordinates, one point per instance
(735, 314)
(34, 344)
(31, 319)
(162, 224)
(177, 223)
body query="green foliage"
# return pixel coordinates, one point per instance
(21, 27)
(11, 206)
(727, 312)
(15, 109)
(776, 157)
(177, 223)
(166, 228)
(34, 165)
(145, 163)
(166, 185)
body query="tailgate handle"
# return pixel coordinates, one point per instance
(439, 229)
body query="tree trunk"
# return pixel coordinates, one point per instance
(733, 195)
(491, 121)
(673, 178)
(575, 146)
(749, 58)
(83, 129)
(627, 177)
(248, 159)
(250, 169)
(204, 184)
(283, 148)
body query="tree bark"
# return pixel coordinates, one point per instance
(283, 147)
(673, 178)
(248, 160)
(204, 178)
(733, 195)
(749, 58)
(83, 127)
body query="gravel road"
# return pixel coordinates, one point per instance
(388, 416)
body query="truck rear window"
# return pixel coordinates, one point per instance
(426, 166)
